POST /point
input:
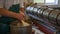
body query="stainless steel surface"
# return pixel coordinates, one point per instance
(53, 16)
(40, 13)
(28, 9)
(20, 29)
(35, 11)
(58, 20)
(31, 10)
(46, 14)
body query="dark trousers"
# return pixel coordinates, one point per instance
(4, 28)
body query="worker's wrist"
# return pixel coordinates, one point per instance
(15, 15)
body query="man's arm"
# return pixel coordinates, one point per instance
(8, 13)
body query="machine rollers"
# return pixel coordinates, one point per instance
(29, 10)
(35, 11)
(40, 13)
(53, 16)
(58, 20)
(46, 14)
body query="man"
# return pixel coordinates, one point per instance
(7, 13)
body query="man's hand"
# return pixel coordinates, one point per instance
(21, 16)
(8, 13)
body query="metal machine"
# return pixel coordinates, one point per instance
(48, 16)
